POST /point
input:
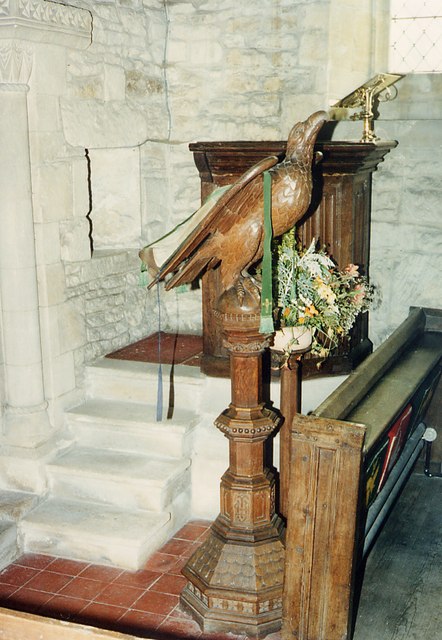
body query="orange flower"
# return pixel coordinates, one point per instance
(311, 311)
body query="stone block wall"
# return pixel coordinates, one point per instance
(38, 195)
(406, 245)
(406, 255)
(110, 100)
(106, 306)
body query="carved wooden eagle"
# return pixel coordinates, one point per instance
(230, 236)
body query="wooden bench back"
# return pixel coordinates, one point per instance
(347, 396)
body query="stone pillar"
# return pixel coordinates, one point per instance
(235, 577)
(26, 28)
(26, 417)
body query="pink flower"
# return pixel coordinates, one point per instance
(352, 270)
(359, 297)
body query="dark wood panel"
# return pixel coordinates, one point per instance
(321, 527)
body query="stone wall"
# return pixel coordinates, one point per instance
(105, 307)
(109, 101)
(406, 245)
(406, 255)
(161, 74)
(43, 184)
(238, 73)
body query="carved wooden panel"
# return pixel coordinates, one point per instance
(326, 463)
(329, 527)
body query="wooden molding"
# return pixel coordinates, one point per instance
(16, 625)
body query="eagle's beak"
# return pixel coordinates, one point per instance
(316, 120)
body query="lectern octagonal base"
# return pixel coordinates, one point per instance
(235, 577)
(235, 587)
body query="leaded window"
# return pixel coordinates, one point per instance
(416, 36)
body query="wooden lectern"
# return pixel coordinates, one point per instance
(339, 217)
(236, 576)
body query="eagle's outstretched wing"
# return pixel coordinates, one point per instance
(228, 231)
(206, 227)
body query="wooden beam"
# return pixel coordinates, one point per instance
(16, 625)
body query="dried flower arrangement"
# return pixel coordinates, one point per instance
(313, 293)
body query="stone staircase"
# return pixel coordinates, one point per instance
(122, 486)
(13, 506)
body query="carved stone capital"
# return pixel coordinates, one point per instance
(15, 64)
(49, 22)
(27, 427)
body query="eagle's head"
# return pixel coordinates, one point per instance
(303, 136)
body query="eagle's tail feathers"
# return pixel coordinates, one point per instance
(189, 272)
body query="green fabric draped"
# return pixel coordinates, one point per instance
(266, 323)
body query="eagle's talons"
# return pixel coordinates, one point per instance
(240, 290)
(247, 286)
(255, 280)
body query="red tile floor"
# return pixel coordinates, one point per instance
(144, 603)
(170, 348)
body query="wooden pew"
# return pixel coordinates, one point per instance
(349, 460)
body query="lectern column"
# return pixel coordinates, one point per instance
(235, 577)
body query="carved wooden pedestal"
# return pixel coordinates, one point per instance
(235, 577)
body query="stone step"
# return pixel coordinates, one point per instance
(9, 550)
(128, 426)
(94, 532)
(14, 504)
(123, 479)
(138, 382)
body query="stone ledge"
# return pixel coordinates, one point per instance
(48, 22)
